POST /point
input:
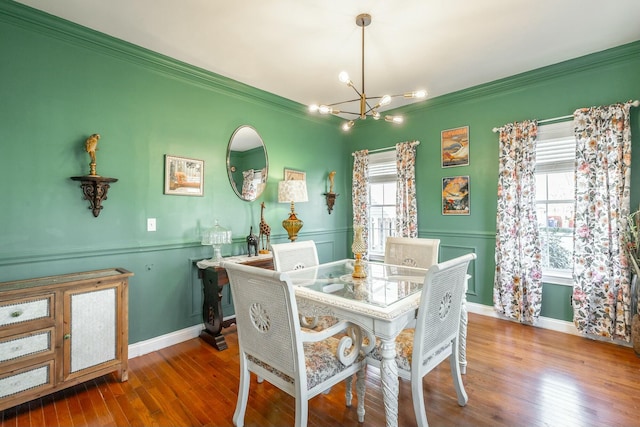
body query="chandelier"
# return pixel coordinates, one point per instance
(366, 107)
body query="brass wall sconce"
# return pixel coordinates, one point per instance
(331, 196)
(331, 200)
(94, 187)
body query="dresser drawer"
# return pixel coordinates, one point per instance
(19, 311)
(28, 379)
(26, 345)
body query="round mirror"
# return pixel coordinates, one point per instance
(247, 163)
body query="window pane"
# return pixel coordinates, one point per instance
(557, 248)
(390, 193)
(555, 219)
(541, 213)
(376, 194)
(382, 200)
(541, 186)
(561, 186)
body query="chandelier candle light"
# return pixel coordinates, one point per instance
(366, 109)
(216, 237)
(292, 191)
(358, 248)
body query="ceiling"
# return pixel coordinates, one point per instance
(295, 49)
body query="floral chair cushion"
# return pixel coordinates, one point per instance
(320, 360)
(404, 349)
(317, 324)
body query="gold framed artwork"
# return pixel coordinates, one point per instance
(183, 176)
(454, 145)
(291, 174)
(455, 195)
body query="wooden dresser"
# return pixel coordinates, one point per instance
(59, 331)
(214, 279)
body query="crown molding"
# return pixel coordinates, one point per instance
(52, 26)
(623, 53)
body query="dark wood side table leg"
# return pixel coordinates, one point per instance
(212, 309)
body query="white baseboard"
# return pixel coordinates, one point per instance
(143, 347)
(543, 322)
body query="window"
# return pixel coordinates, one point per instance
(382, 201)
(555, 197)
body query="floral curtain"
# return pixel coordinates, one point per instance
(601, 293)
(406, 206)
(517, 291)
(360, 192)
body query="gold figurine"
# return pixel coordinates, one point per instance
(91, 146)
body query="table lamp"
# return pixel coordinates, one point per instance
(292, 191)
(216, 237)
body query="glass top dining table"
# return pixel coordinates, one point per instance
(382, 304)
(384, 286)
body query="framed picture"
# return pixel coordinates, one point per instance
(290, 174)
(455, 195)
(182, 176)
(454, 144)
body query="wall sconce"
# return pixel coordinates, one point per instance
(331, 196)
(292, 191)
(94, 187)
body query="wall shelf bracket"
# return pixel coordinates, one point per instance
(94, 189)
(331, 200)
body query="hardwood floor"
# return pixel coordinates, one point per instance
(517, 376)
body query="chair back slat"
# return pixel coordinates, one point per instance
(412, 252)
(438, 320)
(266, 317)
(294, 255)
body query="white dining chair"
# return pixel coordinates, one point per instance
(435, 338)
(412, 252)
(296, 256)
(273, 346)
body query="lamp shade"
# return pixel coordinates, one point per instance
(292, 191)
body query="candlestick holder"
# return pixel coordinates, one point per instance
(358, 247)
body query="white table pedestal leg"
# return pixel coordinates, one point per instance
(390, 384)
(462, 339)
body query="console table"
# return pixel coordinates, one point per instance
(213, 279)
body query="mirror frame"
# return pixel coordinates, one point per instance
(229, 166)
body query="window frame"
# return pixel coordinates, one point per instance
(382, 170)
(555, 152)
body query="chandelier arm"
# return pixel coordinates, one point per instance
(369, 106)
(343, 102)
(369, 110)
(349, 112)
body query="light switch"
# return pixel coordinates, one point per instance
(151, 224)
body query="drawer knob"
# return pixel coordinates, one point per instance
(16, 314)
(66, 336)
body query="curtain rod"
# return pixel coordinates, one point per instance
(635, 103)
(386, 148)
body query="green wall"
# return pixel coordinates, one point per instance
(61, 82)
(600, 79)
